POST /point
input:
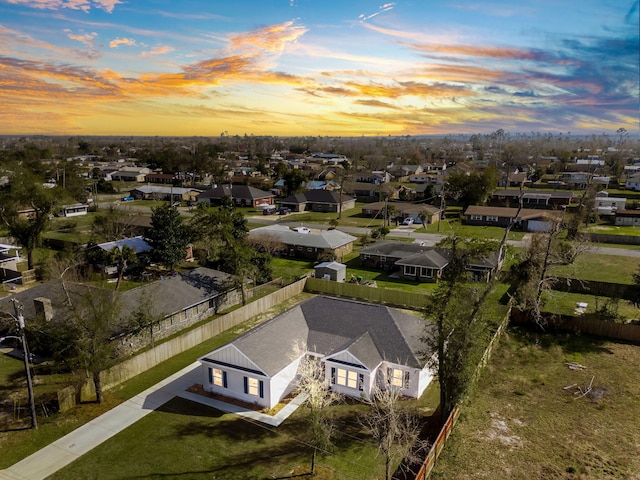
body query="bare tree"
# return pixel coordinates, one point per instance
(312, 383)
(394, 428)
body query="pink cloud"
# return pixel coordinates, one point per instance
(86, 38)
(158, 50)
(84, 5)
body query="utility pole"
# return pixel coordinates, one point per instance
(25, 354)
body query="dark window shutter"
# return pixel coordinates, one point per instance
(406, 379)
(211, 375)
(261, 389)
(246, 385)
(361, 382)
(389, 374)
(224, 379)
(333, 375)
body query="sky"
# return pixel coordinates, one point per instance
(318, 68)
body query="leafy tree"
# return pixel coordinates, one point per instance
(472, 189)
(111, 225)
(293, 181)
(380, 232)
(168, 236)
(455, 308)
(123, 257)
(26, 191)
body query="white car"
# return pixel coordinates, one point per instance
(408, 221)
(302, 230)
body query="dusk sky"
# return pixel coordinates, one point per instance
(310, 67)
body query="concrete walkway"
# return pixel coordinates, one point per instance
(62, 452)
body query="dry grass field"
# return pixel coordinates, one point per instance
(522, 423)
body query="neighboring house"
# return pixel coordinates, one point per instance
(313, 245)
(404, 210)
(74, 210)
(318, 201)
(9, 261)
(532, 198)
(513, 179)
(633, 183)
(364, 191)
(137, 244)
(130, 174)
(359, 347)
(158, 192)
(242, 195)
(402, 172)
(334, 271)
(628, 218)
(376, 177)
(175, 302)
(528, 220)
(412, 260)
(606, 205)
(167, 178)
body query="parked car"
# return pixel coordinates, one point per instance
(408, 221)
(127, 199)
(175, 204)
(302, 230)
(268, 211)
(284, 211)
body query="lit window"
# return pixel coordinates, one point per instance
(395, 377)
(346, 378)
(253, 387)
(217, 377)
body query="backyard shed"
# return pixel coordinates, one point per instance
(331, 271)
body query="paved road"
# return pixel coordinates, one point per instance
(62, 452)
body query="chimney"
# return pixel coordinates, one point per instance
(43, 308)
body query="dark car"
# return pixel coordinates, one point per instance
(268, 211)
(284, 211)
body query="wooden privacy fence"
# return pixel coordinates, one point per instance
(438, 445)
(626, 332)
(164, 351)
(447, 428)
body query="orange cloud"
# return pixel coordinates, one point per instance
(158, 50)
(86, 38)
(272, 39)
(122, 41)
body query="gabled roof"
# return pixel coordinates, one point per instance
(235, 191)
(328, 326)
(566, 194)
(430, 258)
(164, 189)
(316, 196)
(167, 296)
(388, 248)
(325, 239)
(506, 212)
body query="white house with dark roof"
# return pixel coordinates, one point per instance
(359, 345)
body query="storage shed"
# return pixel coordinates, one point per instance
(331, 271)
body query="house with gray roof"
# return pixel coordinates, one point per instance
(313, 245)
(360, 347)
(417, 262)
(161, 192)
(318, 201)
(241, 195)
(175, 301)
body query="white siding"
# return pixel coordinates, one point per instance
(230, 354)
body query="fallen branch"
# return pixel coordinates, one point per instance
(575, 366)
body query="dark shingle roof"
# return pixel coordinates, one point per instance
(328, 326)
(235, 191)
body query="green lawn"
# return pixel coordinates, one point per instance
(522, 424)
(604, 268)
(563, 303)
